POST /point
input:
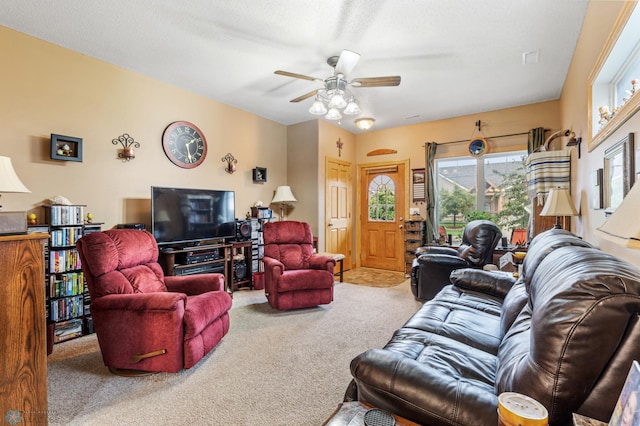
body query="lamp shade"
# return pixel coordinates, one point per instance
(9, 180)
(623, 227)
(559, 203)
(283, 195)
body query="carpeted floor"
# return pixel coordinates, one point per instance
(272, 368)
(374, 277)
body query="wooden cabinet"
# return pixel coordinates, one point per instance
(414, 237)
(23, 339)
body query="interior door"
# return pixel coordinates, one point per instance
(338, 209)
(382, 201)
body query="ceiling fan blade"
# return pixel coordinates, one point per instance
(347, 62)
(294, 75)
(376, 81)
(305, 96)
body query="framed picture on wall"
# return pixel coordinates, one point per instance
(418, 179)
(618, 171)
(66, 148)
(596, 194)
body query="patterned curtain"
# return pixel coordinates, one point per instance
(536, 139)
(430, 191)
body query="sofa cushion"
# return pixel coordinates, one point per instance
(464, 316)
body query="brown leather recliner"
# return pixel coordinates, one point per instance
(433, 264)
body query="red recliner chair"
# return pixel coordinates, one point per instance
(294, 276)
(146, 321)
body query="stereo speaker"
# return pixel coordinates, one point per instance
(243, 230)
(239, 271)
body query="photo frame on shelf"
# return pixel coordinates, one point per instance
(618, 171)
(418, 179)
(66, 148)
(596, 191)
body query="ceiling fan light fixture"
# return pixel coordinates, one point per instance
(337, 101)
(318, 108)
(365, 123)
(352, 107)
(333, 114)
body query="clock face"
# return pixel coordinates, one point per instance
(478, 147)
(184, 144)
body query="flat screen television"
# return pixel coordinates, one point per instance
(183, 216)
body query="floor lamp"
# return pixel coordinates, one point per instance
(558, 204)
(283, 196)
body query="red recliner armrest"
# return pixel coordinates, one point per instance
(322, 262)
(195, 284)
(168, 301)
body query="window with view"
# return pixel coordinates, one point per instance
(492, 187)
(382, 199)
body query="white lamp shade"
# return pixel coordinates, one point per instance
(623, 226)
(337, 101)
(318, 108)
(9, 180)
(559, 204)
(283, 195)
(333, 114)
(352, 108)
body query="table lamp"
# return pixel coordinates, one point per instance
(623, 227)
(11, 222)
(283, 196)
(558, 204)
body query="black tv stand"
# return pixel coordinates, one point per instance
(198, 259)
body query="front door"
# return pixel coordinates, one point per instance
(382, 201)
(338, 209)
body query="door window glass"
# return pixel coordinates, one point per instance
(382, 199)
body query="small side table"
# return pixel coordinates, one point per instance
(339, 258)
(352, 414)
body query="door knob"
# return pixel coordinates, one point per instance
(330, 224)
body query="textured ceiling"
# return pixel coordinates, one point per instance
(455, 57)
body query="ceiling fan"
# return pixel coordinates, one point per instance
(335, 88)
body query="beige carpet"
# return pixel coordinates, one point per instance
(272, 368)
(374, 277)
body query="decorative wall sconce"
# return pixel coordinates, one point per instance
(231, 163)
(127, 143)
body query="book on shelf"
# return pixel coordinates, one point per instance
(67, 330)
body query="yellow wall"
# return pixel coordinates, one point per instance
(409, 140)
(48, 89)
(598, 23)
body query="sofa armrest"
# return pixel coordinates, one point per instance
(488, 282)
(195, 284)
(322, 262)
(448, 261)
(404, 386)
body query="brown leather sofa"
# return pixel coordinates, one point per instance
(565, 334)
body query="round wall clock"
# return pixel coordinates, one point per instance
(184, 144)
(477, 147)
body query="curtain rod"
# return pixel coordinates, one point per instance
(488, 137)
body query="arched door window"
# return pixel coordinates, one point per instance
(382, 199)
